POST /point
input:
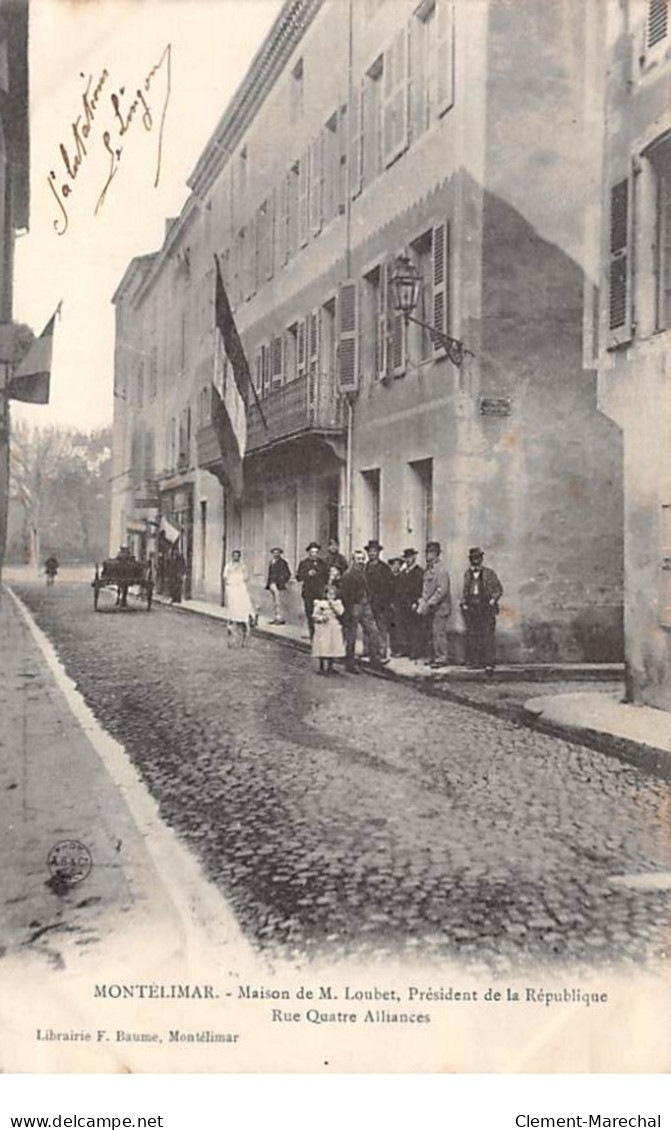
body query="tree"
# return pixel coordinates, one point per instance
(60, 491)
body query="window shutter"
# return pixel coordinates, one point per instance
(276, 368)
(658, 21)
(444, 56)
(348, 337)
(303, 200)
(282, 242)
(619, 304)
(266, 369)
(395, 98)
(258, 375)
(382, 332)
(313, 367)
(441, 282)
(301, 350)
(270, 260)
(356, 142)
(341, 198)
(396, 331)
(388, 90)
(316, 153)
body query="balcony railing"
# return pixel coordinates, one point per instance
(308, 404)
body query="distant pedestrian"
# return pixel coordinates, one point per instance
(413, 626)
(356, 600)
(381, 590)
(313, 573)
(396, 638)
(479, 607)
(176, 574)
(435, 603)
(334, 558)
(279, 575)
(240, 610)
(51, 569)
(328, 643)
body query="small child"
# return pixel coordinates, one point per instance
(328, 643)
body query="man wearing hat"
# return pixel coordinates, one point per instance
(479, 606)
(396, 638)
(356, 600)
(381, 589)
(279, 574)
(334, 558)
(313, 573)
(435, 603)
(410, 585)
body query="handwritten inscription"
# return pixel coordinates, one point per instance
(109, 114)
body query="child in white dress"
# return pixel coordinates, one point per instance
(328, 643)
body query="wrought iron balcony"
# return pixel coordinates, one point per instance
(309, 404)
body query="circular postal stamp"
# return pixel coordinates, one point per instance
(70, 861)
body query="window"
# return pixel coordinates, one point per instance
(665, 566)
(395, 98)
(276, 362)
(304, 200)
(341, 194)
(371, 111)
(432, 63)
(657, 26)
(296, 92)
(420, 514)
(329, 349)
(374, 324)
(293, 196)
(316, 185)
(663, 243)
(291, 353)
(331, 171)
(371, 503)
(264, 243)
(422, 256)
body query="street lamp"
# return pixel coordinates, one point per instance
(406, 283)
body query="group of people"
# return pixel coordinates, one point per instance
(401, 608)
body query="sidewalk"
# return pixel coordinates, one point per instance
(582, 702)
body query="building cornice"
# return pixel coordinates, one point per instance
(268, 63)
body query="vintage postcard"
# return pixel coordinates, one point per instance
(335, 510)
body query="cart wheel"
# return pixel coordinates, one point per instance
(150, 593)
(96, 593)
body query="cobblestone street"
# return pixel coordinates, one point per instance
(357, 815)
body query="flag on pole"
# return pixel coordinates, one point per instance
(30, 382)
(230, 385)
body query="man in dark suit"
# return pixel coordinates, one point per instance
(381, 590)
(479, 606)
(279, 574)
(356, 600)
(334, 558)
(410, 585)
(313, 573)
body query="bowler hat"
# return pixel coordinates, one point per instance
(434, 545)
(391, 560)
(312, 545)
(476, 552)
(410, 552)
(373, 544)
(276, 549)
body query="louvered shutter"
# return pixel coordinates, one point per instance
(348, 337)
(658, 21)
(276, 359)
(444, 56)
(619, 304)
(381, 327)
(441, 282)
(266, 369)
(258, 374)
(395, 98)
(396, 331)
(301, 348)
(316, 159)
(282, 224)
(356, 120)
(303, 200)
(270, 261)
(341, 197)
(313, 363)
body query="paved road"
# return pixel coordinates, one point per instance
(353, 815)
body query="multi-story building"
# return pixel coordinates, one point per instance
(455, 134)
(14, 206)
(634, 346)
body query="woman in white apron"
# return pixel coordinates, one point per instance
(240, 611)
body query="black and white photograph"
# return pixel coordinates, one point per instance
(335, 536)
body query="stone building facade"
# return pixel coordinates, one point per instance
(453, 133)
(634, 343)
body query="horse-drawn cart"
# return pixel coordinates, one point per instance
(123, 573)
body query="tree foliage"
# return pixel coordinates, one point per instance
(59, 494)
